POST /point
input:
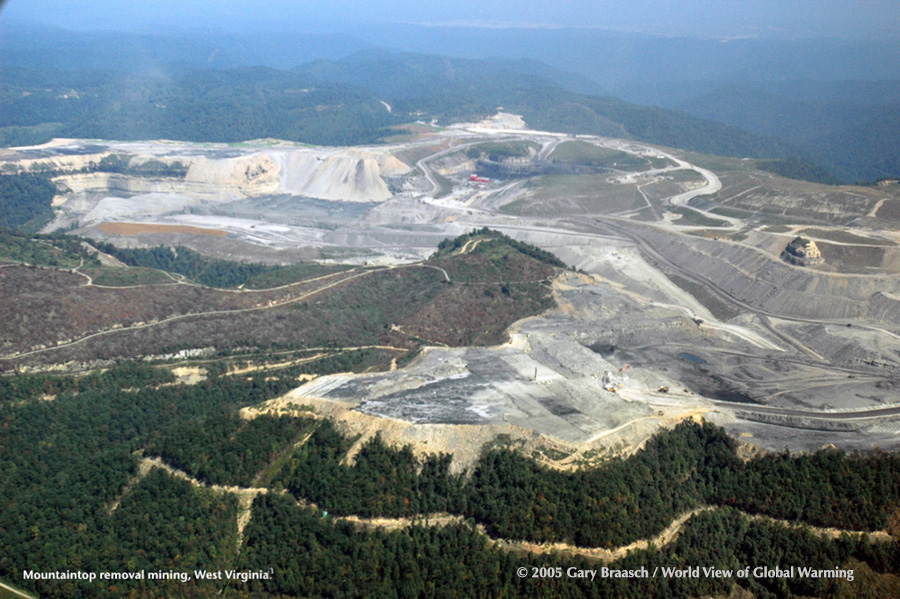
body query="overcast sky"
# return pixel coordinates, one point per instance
(707, 18)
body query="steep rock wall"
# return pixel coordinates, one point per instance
(338, 174)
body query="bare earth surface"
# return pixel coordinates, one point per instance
(144, 228)
(682, 306)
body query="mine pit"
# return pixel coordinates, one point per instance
(716, 317)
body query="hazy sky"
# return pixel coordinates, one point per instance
(708, 18)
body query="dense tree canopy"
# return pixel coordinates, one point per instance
(72, 501)
(25, 200)
(187, 262)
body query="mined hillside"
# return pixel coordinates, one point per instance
(220, 173)
(752, 276)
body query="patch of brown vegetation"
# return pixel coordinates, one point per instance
(51, 317)
(47, 308)
(147, 228)
(747, 451)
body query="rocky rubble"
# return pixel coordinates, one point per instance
(802, 252)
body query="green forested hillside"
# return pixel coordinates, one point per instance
(72, 502)
(312, 556)
(220, 448)
(64, 464)
(44, 250)
(197, 105)
(338, 102)
(613, 505)
(405, 75)
(25, 200)
(448, 88)
(576, 113)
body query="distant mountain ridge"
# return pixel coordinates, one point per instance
(850, 127)
(833, 102)
(24, 45)
(194, 105)
(453, 88)
(407, 74)
(325, 101)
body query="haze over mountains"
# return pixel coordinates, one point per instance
(690, 18)
(833, 103)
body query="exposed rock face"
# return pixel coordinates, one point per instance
(251, 175)
(802, 252)
(220, 172)
(348, 175)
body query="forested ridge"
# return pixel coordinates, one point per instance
(61, 250)
(312, 556)
(339, 103)
(67, 463)
(617, 503)
(25, 200)
(64, 462)
(231, 450)
(191, 105)
(448, 246)
(466, 298)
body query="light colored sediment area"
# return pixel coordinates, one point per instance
(123, 228)
(664, 538)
